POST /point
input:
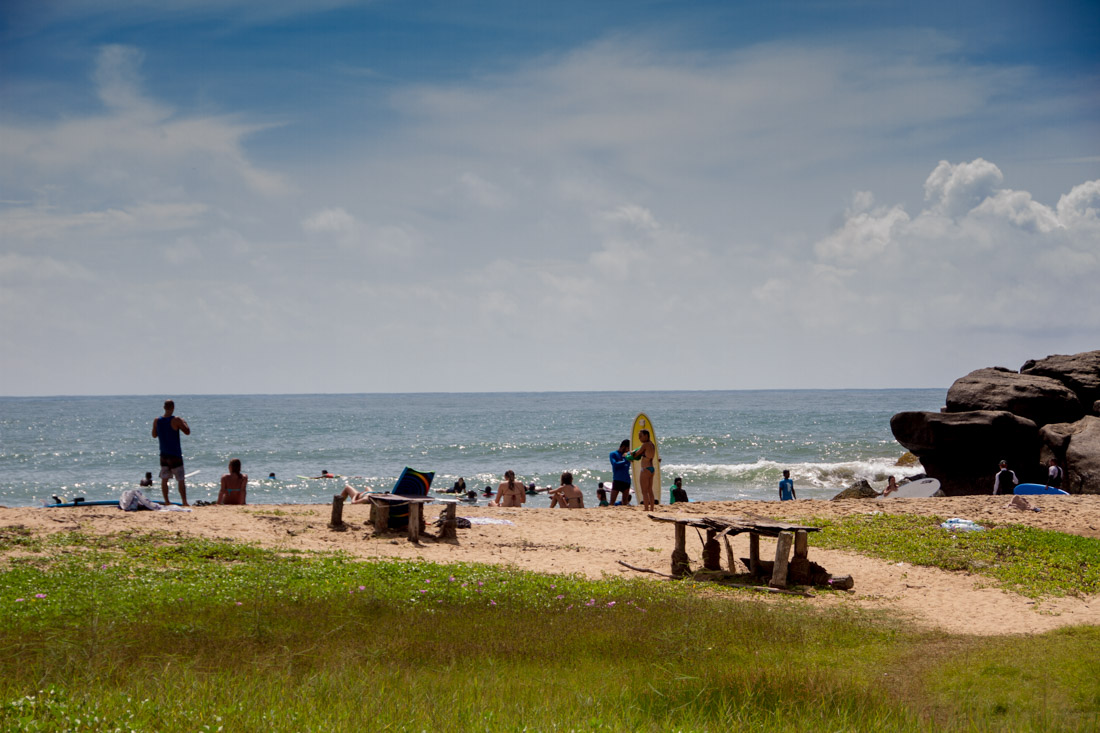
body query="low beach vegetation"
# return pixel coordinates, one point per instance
(1033, 562)
(157, 632)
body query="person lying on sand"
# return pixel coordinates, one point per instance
(357, 497)
(567, 495)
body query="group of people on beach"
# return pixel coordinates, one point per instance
(167, 430)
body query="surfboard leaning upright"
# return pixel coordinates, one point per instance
(642, 422)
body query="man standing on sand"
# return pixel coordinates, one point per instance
(786, 487)
(620, 473)
(1005, 479)
(167, 429)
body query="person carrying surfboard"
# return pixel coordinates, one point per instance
(645, 453)
(1054, 474)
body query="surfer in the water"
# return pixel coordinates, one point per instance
(646, 453)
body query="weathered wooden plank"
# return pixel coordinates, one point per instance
(381, 516)
(336, 520)
(680, 563)
(414, 521)
(754, 553)
(782, 554)
(448, 529)
(801, 544)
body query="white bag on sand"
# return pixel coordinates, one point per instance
(133, 499)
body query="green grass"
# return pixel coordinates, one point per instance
(158, 633)
(1029, 561)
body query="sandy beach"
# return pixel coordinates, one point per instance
(592, 541)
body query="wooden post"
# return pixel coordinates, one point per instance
(802, 544)
(448, 530)
(414, 521)
(681, 566)
(729, 551)
(754, 553)
(381, 516)
(336, 521)
(782, 552)
(711, 552)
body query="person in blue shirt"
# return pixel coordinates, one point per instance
(620, 472)
(786, 487)
(167, 429)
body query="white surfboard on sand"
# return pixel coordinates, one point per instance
(920, 489)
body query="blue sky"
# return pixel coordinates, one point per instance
(329, 196)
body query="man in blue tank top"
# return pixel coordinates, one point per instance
(167, 429)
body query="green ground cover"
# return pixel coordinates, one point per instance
(1029, 561)
(158, 633)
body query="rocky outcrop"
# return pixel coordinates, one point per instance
(1021, 417)
(1043, 400)
(1079, 372)
(1077, 447)
(962, 449)
(859, 490)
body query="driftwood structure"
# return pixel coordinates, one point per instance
(380, 505)
(781, 572)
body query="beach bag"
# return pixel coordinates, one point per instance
(134, 500)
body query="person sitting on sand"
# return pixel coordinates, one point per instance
(357, 497)
(676, 493)
(510, 493)
(234, 484)
(601, 496)
(567, 495)
(891, 486)
(148, 480)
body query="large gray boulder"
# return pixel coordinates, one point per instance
(1077, 447)
(1079, 372)
(963, 449)
(859, 490)
(1043, 400)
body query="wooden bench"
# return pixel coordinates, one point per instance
(781, 570)
(380, 505)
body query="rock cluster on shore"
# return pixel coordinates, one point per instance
(1050, 408)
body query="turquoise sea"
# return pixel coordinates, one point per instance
(726, 445)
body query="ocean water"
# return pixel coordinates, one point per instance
(726, 445)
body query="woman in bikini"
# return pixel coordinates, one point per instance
(234, 484)
(567, 495)
(510, 492)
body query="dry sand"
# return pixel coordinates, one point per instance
(592, 541)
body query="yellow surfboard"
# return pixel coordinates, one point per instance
(642, 422)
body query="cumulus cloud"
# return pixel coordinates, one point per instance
(979, 254)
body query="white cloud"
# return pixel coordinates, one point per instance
(954, 190)
(333, 221)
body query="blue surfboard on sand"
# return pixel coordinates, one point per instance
(96, 502)
(1029, 489)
